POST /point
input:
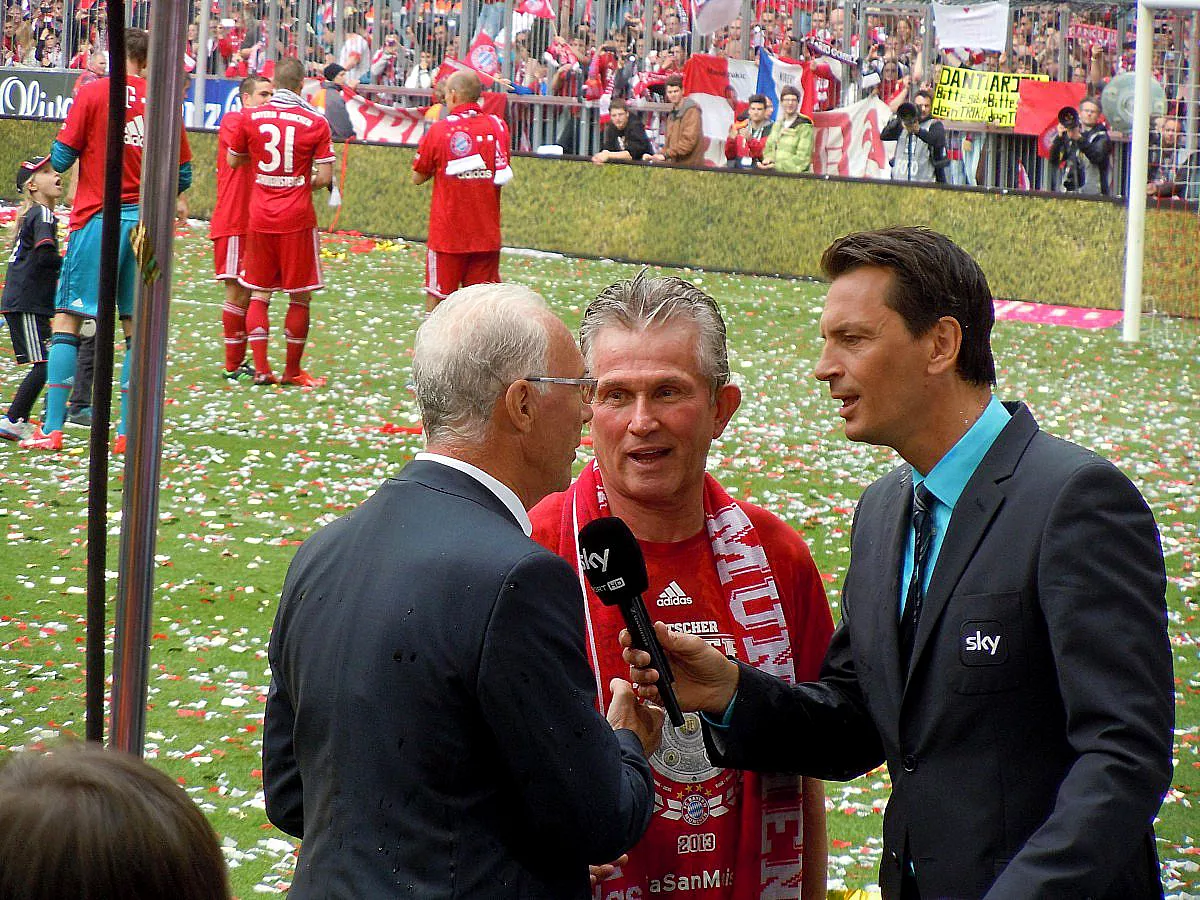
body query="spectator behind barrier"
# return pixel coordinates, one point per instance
(88, 823)
(1081, 150)
(920, 142)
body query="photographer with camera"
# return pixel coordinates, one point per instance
(920, 142)
(1081, 150)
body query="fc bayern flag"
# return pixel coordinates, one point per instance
(450, 66)
(1038, 106)
(539, 8)
(482, 56)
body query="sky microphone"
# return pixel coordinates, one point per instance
(613, 564)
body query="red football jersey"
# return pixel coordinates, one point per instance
(86, 130)
(464, 153)
(230, 214)
(284, 139)
(706, 836)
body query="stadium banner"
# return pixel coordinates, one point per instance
(969, 95)
(1093, 35)
(36, 94)
(716, 118)
(386, 124)
(847, 141)
(220, 96)
(983, 26)
(48, 94)
(1037, 113)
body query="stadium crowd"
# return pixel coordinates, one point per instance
(585, 49)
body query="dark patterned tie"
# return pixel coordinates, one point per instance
(922, 520)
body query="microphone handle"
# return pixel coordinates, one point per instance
(641, 629)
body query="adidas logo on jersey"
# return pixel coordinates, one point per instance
(135, 132)
(673, 595)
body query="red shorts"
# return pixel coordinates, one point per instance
(227, 256)
(289, 262)
(445, 273)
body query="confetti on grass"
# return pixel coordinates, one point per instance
(248, 473)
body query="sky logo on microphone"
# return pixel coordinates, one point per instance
(594, 560)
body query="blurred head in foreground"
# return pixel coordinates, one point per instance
(85, 823)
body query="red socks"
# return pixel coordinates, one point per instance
(233, 322)
(259, 327)
(295, 327)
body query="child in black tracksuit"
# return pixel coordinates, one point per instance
(28, 299)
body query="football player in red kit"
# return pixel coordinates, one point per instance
(466, 155)
(227, 230)
(281, 141)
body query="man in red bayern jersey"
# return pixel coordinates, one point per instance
(282, 141)
(227, 230)
(83, 138)
(466, 155)
(720, 568)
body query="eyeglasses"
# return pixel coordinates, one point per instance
(587, 386)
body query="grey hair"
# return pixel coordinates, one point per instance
(476, 343)
(645, 302)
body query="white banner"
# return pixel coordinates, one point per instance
(387, 124)
(373, 121)
(716, 117)
(743, 78)
(981, 27)
(709, 15)
(847, 141)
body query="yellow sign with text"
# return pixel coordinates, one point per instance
(969, 95)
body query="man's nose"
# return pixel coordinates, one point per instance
(824, 368)
(642, 417)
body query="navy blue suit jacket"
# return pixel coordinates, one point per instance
(431, 728)
(1029, 743)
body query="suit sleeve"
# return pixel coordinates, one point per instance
(1101, 585)
(821, 728)
(589, 788)
(283, 786)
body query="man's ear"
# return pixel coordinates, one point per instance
(729, 398)
(946, 344)
(520, 406)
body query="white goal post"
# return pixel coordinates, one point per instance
(1135, 235)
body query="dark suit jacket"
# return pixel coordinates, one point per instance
(1027, 768)
(431, 728)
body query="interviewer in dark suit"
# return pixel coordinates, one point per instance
(431, 727)
(1029, 737)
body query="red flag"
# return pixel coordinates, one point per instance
(451, 65)
(539, 8)
(705, 74)
(483, 56)
(1038, 106)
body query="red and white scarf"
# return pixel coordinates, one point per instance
(760, 633)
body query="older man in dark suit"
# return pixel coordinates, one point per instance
(1003, 644)
(432, 728)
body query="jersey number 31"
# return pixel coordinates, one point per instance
(273, 136)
